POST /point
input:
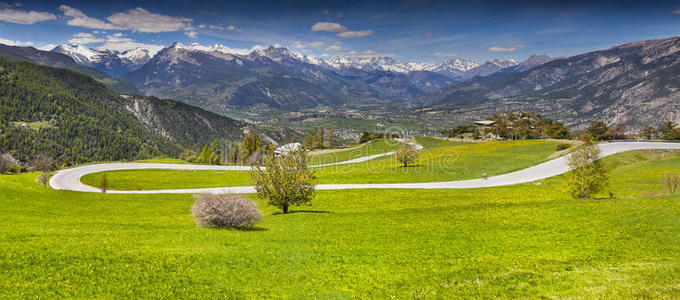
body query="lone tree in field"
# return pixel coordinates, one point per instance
(588, 175)
(407, 154)
(105, 183)
(284, 180)
(671, 181)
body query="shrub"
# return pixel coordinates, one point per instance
(6, 162)
(16, 168)
(42, 163)
(44, 178)
(563, 146)
(225, 211)
(588, 175)
(671, 181)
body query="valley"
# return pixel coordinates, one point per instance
(339, 150)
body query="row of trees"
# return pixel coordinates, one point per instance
(320, 138)
(514, 125)
(368, 136)
(249, 151)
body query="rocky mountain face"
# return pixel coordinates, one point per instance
(58, 60)
(112, 62)
(635, 84)
(222, 79)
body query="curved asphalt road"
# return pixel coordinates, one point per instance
(70, 179)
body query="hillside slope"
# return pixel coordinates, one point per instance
(82, 121)
(57, 60)
(635, 84)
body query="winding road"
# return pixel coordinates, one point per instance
(69, 179)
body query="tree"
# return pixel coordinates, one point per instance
(285, 180)
(648, 132)
(669, 131)
(251, 143)
(588, 175)
(597, 130)
(671, 181)
(618, 131)
(6, 162)
(407, 154)
(558, 131)
(204, 158)
(42, 163)
(104, 184)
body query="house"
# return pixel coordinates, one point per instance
(484, 128)
(288, 148)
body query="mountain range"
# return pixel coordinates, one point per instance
(81, 120)
(222, 79)
(635, 84)
(115, 63)
(630, 84)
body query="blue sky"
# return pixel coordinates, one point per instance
(406, 30)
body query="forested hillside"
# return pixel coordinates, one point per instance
(81, 119)
(58, 60)
(71, 117)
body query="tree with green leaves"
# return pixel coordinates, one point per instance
(669, 131)
(285, 180)
(407, 154)
(597, 130)
(648, 132)
(251, 144)
(588, 174)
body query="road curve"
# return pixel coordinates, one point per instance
(69, 179)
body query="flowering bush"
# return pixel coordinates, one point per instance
(225, 211)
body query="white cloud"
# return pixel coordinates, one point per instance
(85, 38)
(677, 11)
(14, 42)
(356, 34)
(142, 20)
(137, 19)
(428, 34)
(299, 45)
(78, 18)
(191, 34)
(369, 51)
(47, 47)
(328, 27)
(335, 48)
(24, 17)
(222, 28)
(8, 5)
(505, 49)
(445, 54)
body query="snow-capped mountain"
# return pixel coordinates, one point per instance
(530, 63)
(115, 63)
(452, 68)
(489, 67)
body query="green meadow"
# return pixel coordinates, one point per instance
(523, 241)
(440, 161)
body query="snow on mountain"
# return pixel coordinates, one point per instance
(81, 54)
(113, 62)
(452, 68)
(489, 67)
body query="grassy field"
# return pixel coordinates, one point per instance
(524, 241)
(366, 149)
(34, 125)
(440, 161)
